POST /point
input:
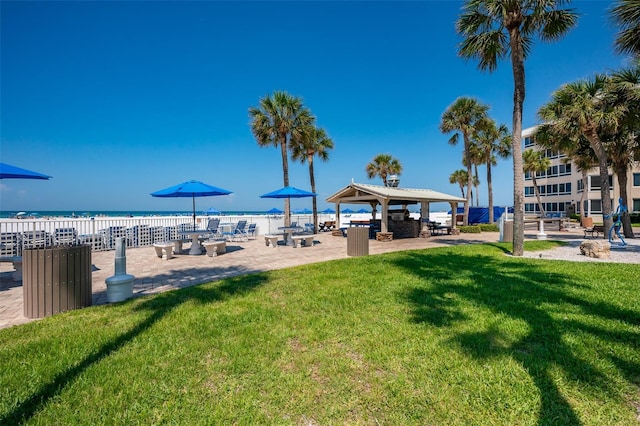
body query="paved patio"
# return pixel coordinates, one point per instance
(154, 275)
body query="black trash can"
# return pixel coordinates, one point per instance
(56, 279)
(357, 241)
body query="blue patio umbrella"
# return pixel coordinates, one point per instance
(192, 189)
(363, 210)
(8, 171)
(347, 210)
(288, 192)
(275, 211)
(302, 211)
(328, 211)
(212, 210)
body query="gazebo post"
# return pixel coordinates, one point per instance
(424, 215)
(454, 213)
(384, 222)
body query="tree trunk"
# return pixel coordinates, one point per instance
(312, 178)
(517, 65)
(285, 176)
(621, 172)
(467, 155)
(537, 191)
(584, 194)
(605, 191)
(475, 167)
(490, 189)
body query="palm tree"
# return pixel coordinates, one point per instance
(626, 13)
(580, 109)
(534, 162)
(493, 29)
(279, 121)
(461, 177)
(477, 158)
(463, 116)
(315, 142)
(623, 146)
(494, 141)
(578, 152)
(383, 165)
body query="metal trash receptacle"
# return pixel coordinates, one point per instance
(507, 231)
(358, 241)
(56, 279)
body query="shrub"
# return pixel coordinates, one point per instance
(575, 217)
(470, 229)
(486, 227)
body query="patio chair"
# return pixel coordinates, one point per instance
(212, 229)
(251, 231)
(238, 233)
(65, 236)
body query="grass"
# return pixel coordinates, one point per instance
(462, 335)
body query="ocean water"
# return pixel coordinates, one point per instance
(117, 213)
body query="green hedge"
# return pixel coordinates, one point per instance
(470, 229)
(485, 227)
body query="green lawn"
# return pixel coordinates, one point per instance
(462, 335)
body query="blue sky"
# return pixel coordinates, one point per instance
(116, 100)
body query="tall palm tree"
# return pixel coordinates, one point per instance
(315, 143)
(461, 178)
(279, 121)
(493, 29)
(623, 145)
(495, 141)
(626, 13)
(477, 158)
(463, 117)
(578, 151)
(534, 162)
(383, 165)
(580, 109)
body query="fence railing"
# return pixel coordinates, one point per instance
(101, 232)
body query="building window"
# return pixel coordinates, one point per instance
(529, 191)
(636, 179)
(580, 184)
(565, 169)
(596, 206)
(636, 205)
(595, 183)
(528, 142)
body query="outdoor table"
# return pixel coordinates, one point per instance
(195, 248)
(288, 232)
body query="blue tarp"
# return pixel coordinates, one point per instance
(481, 214)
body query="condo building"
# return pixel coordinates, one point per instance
(562, 186)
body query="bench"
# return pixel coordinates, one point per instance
(306, 239)
(164, 250)
(215, 247)
(17, 266)
(273, 239)
(596, 229)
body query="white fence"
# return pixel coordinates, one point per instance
(101, 232)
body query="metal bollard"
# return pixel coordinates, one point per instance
(120, 285)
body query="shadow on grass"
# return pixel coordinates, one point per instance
(156, 307)
(521, 291)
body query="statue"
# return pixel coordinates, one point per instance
(617, 224)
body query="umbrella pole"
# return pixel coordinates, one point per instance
(193, 198)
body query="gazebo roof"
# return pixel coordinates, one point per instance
(365, 193)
